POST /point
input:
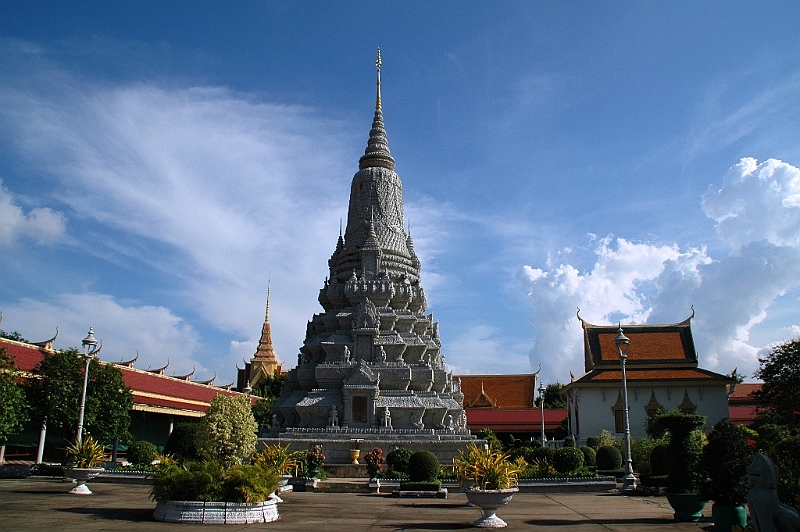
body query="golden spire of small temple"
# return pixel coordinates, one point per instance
(378, 66)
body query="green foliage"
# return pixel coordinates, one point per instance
(227, 432)
(247, 483)
(397, 460)
(87, 453)
(786, 457)
(269, 389)
(593, 442)
(641, 450)
(769, 435)
(486, 470)
(188, 481)
(606, 438)
(56, 394)
(431, 485)
(567, 460)
(490, 437)
(141, 453)
(589, 456)
(181, 443)
(423, 466)
(658, 459)
(684, 451)
(17, 337)
(546, 454)
(13, 405)
(780, 371)
(569, 441)
(724, 462)
(280, 459)
(608, 458)
(552, 397)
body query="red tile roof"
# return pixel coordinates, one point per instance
(528, 420)
(505, 391)
(150, 390)
(651, 375)
(644, 346)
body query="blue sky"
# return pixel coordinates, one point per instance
(161, 161)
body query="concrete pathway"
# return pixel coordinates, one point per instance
(46, 506)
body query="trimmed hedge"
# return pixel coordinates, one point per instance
(397, 460)
(589, 456)
(421, 486)
(423, 466)
(567, 460)
(608, 458)
(141, 453)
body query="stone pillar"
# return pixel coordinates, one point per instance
(2, 454)
(42, 435)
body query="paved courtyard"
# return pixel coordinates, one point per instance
(46, 505)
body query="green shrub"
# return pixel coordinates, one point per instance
(589, 456)
(490, 437)
(685, 448)
(542, 454)
(181, 441)
(568, 460)
(609, 458)
(423, 466)
(432, 485)
(658, 460)
(208, 481)
(397, 460)
(593, 442)
(569, 441)
(786, 457)
(141, 453)
(640, 454)
(724, 461)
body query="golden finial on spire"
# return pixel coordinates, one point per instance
(378, 66)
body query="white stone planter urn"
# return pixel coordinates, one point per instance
(217, 513)
(81, 476)
(489, 501)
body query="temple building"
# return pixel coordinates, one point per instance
(264, 363)
(371, 366)
(662, 373)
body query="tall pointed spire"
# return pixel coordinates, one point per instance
(265, 351)
(377, 152)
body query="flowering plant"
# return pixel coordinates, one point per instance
(314, 460)
(374, 459)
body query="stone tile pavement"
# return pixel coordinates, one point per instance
(45, 505)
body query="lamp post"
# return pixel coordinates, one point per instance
(89, 350)
(541, 390)
(629, 481)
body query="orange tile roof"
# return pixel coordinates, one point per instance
(666, 374)
(741, 393)
(644, 346)
(505, 391)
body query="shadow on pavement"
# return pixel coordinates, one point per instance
(116, 514)
(573, 522)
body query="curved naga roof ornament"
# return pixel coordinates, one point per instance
(585, 323)
(128, 363)
(47, 345)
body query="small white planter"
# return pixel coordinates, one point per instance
(217, 513)
(81, 476)
(489, 501)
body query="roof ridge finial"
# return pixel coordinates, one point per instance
(378, 66)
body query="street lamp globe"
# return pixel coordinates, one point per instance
(541, 390)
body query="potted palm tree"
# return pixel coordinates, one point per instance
(489, 479)
(683, 453)
(84, 455)
(724, 463)
(281, 460)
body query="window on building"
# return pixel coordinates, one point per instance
(359, 409)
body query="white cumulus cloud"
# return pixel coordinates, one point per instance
(41, 224)
(756, 213)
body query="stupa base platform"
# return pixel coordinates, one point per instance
(338, 442)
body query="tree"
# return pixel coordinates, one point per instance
(227, 432)
(780, 371)
(552, 396)
(17, 337)
(269, 389)
(55, 396)
(13, 406)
